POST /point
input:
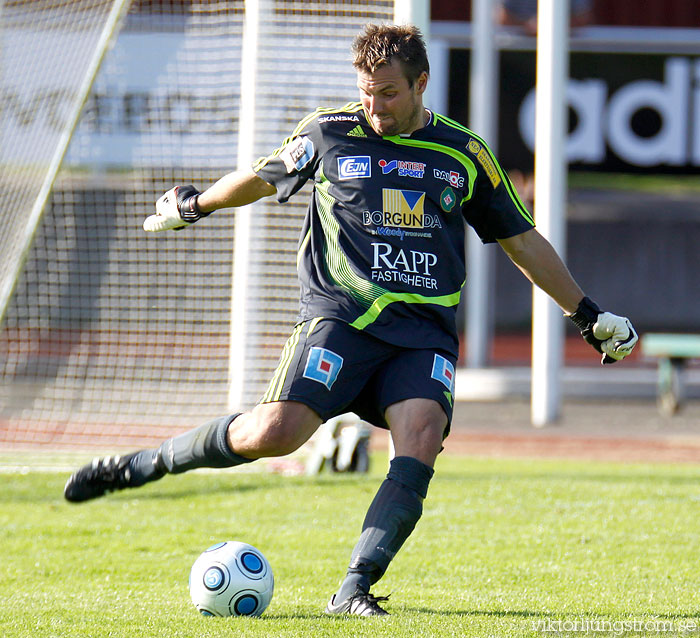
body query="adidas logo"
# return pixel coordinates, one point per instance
(357, 132)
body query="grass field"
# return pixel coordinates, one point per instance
(505, 548)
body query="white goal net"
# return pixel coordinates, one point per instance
(49, 53)
(117, 337)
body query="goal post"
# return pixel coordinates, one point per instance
(117, 337)
(302, 49)
(240, 316)
(30, 165)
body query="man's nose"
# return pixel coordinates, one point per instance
(375, 105)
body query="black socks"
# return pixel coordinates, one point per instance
(205, 446)
(390, 520)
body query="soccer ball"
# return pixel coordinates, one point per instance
(231, 579)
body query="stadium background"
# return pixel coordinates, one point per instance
(116, 338)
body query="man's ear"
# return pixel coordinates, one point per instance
(422, 83)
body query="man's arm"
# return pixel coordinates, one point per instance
(612, 336)
(541, 264)
(236, 189)
(184, 205)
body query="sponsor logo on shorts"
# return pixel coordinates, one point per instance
(404, 169)
(444, 372)
(323, 365)
(297, 154)
(355, 167)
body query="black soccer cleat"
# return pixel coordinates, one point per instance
(99, 477)
(359, 604)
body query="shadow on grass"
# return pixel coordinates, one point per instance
(221, 487)
(298, 616)
(21, 490)
(451, 613)
(523, 613)
(146, 494)
(635, 476)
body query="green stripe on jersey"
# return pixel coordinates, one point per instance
(336, 260)
(441, 148)
(350, 107)
(302, 247)
(407, 297)
(522, 209)
(340, 270)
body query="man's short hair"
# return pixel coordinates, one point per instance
(379, 44)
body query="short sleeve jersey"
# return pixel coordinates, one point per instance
(382, 244)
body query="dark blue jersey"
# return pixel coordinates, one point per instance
(382, 245)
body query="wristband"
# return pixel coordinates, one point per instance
(189, 209)
(584, 318)
(586, 314)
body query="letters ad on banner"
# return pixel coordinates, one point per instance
(627, 112)
(156, 102)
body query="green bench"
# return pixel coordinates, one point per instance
(673, 352)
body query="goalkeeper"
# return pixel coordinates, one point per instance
(381, 266)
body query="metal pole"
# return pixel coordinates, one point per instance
(483, 114)
(114, 18)
(243, 218)
(416, 12)
(437, 94)
(550, 201)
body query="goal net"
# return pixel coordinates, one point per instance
(113, 336)
(49, 53)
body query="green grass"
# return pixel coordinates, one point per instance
(502, 546)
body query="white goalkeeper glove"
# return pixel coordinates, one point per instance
(612, 336)
(175, 210)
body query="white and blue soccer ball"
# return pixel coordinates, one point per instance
(231, 579)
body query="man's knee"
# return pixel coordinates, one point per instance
(417, 428)
(272, 429)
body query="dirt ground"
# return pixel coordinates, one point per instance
(617, 430)
(605, 430)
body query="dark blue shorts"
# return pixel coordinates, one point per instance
(334, 368)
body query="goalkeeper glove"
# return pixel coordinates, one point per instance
(175, 210)
(612, 336)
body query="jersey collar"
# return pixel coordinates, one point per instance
(431, 120)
